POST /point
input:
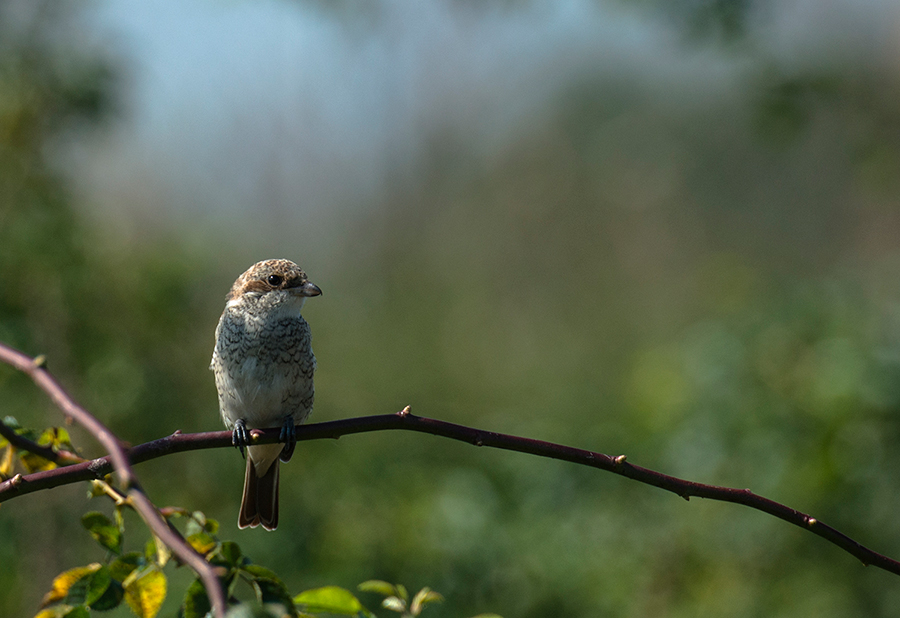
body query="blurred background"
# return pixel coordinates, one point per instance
(668, 230)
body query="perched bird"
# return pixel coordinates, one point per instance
(264, 366)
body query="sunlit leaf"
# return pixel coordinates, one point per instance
(378, 586)
(57, 611)
(103, 530)
(329, 599)
(423, 597)
(202, 542)
(7, 462)
(64, 611)
(35, 463)
(395, 604)
(64, 582)
(145, 592)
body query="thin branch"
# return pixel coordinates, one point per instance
(35, 369)
(179, 442)
(22, 443)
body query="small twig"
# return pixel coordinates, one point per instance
(35, 369)
(179, 442)
(60, 458)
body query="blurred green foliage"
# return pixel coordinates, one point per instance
(714, 293)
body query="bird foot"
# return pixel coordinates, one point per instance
(289, 437)
(240, 437)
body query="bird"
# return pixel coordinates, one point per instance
(264, 364)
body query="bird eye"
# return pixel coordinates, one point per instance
(274, 280)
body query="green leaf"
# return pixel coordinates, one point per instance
(103, 530)
(423, 597)
(211, 525)
(395, 604)
(196, 603)
(145, 591)
(64, 583)
(331, 600)
(121, 567)
(157, 552)
(97, 585)
(378, 586)
(401, 592)
(56, 438)
(231, 553)
(488, 616)
(259, 572)
(110, 599)
(79, 611)
(273, 591)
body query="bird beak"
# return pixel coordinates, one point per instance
(309, 289)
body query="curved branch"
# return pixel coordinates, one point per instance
(403, 420)
(36, 370)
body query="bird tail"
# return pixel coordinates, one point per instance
(259, 504)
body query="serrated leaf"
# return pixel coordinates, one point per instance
(423, 597)
(121, 567)
(145, 592)
(103, 530)
(378, 586)
(64, 582)
(97, 585)
(395, 604)
(196, 603)
(329, 599)
(110, 599)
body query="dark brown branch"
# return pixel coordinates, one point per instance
(22, 443)
(119, 459)
(179, 442)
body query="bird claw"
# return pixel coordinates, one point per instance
(240, 438)
(289, 437)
